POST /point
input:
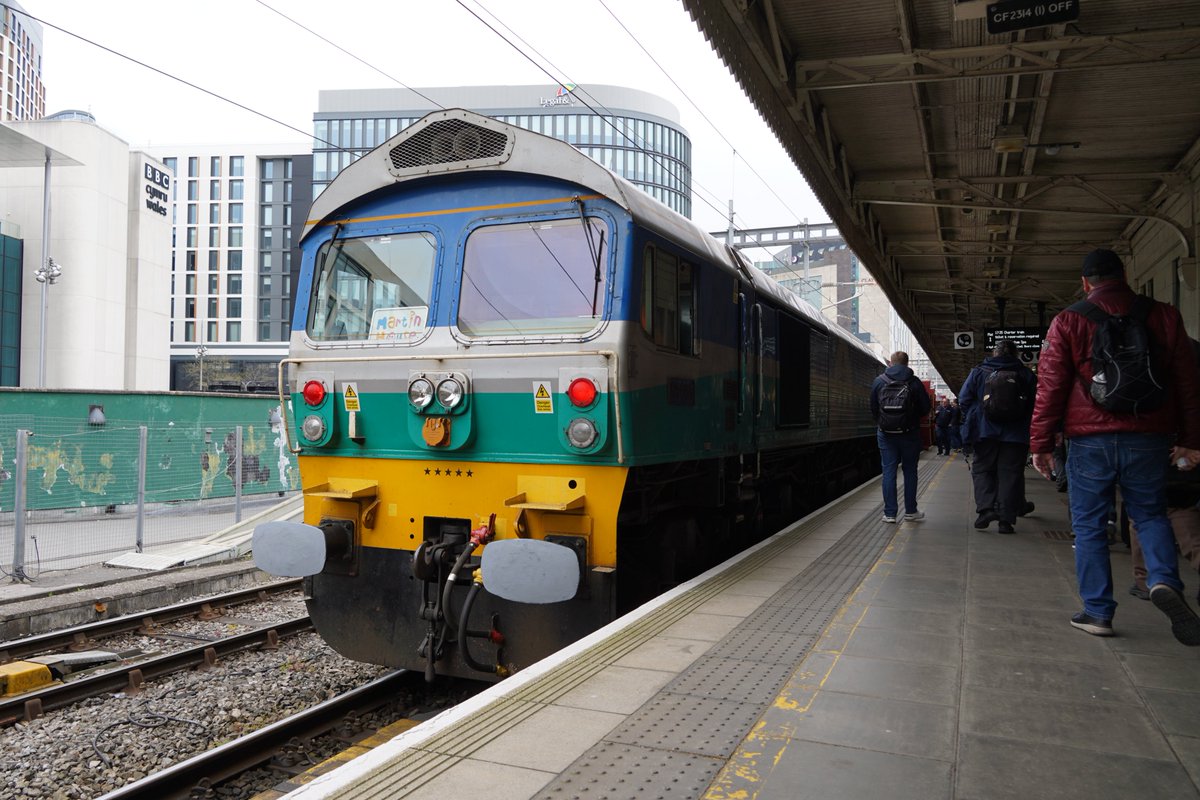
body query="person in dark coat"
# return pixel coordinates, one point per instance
(998, 471)
(941, 421)
(901, 446)
(956, 425)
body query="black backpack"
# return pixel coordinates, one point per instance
(1004, 396)
(1123, 379)
(897, 409)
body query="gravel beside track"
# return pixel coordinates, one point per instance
(101, 744)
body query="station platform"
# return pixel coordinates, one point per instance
(844, 657)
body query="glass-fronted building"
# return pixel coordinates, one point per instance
(633, 133)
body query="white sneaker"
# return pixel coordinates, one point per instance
(916, 516)
(886, 518)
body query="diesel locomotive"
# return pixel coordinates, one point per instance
(526, 396)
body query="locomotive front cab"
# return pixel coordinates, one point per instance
(455, 405)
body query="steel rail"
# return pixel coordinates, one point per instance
(129, 677)
(246, 752)
(83, 636)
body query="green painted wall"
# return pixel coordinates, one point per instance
(190, 447)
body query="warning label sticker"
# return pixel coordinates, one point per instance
(543, 401)
(350, 396)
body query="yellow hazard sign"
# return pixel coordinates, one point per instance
(350, 397)
(543, 401)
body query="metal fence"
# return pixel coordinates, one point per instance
(73, 493)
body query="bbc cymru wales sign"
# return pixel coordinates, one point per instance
(1015, 15)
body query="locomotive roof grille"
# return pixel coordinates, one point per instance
(448, 141)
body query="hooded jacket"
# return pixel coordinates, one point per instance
(976, 424)
(1065, 373)
(901, 372)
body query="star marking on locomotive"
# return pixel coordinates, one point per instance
(437, 472)
(447, 472)
(458, 473)
(427, 470)
(469, 473)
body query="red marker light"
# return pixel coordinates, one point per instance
(314, 393)
(581, 392)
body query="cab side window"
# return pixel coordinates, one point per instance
(669, 301)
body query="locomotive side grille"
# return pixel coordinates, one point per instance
(445, 142)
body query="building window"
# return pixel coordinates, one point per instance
(193, 167)
(287, 215)
(190, 261)
(212, 307)
(233, 307)
(212, 331)
(192, 214)
(267, 170)
(214, 237)
(233, 331)
(191, 237)
(214, 260)
(266, 215)
(170, 163)
(235, 256)
(237, 190)
(193, 191)
(264, 331)
(190, 284)
(214, 283)
(237, 166)
(266, 261)
(266, 239)
(214, 190)
(264, 308)
(235, 213)
(235, 240)
(264, 285)
(233, 284)
(214, 166)
(189, 308)
(214, 213)
(268, 192)
(189, 331)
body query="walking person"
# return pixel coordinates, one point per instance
(898, 403)
(997, 399)
(941, 422)
(1117, 374)
(956, 425)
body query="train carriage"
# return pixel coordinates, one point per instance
(506, 356)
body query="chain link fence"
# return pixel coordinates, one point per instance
(74, 493)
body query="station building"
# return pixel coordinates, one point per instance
(22, 94)
(100, 319)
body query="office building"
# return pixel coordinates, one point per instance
(22, 95)
(237, 212)
(633, 133)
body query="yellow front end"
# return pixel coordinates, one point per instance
(389, 499)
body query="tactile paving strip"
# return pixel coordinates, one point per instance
(685, 718)
(686, 723)
(641, 774)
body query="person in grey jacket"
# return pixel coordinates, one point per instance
(996, 415)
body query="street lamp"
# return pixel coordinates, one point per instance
(45, 274)
(201, 352)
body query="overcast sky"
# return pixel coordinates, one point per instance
(245, 51)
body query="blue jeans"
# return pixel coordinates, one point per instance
(1137, 463)
(894, 449)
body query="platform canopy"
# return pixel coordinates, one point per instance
(971, 159)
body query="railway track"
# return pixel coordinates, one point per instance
(129, 677)
(85, 637)
(203, 771)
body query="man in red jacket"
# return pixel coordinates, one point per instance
(1109, 449)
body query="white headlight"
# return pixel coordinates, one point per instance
(449, 393)
(420, 393)
(313, 428)
(581, 433)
